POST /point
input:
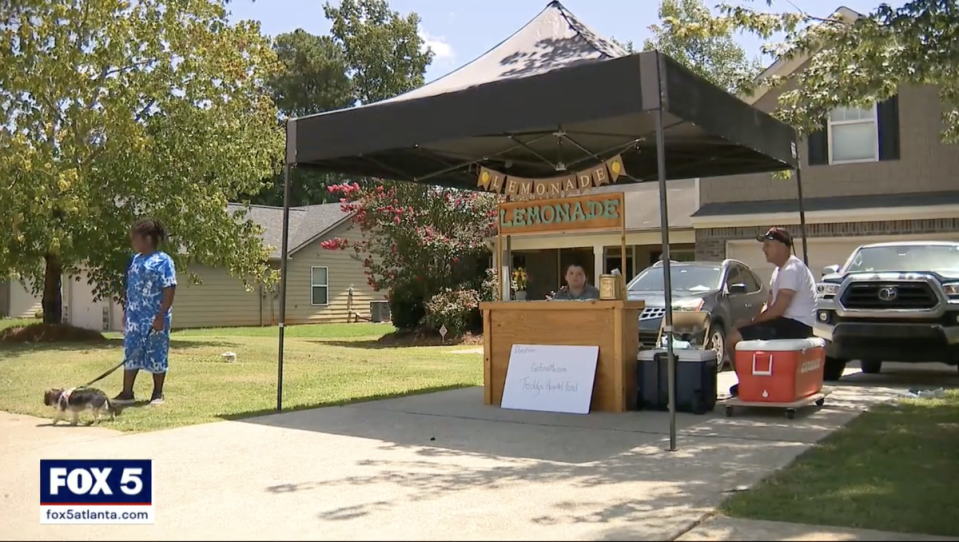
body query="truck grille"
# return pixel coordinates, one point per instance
(898, 295)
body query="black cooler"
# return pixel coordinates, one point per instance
(695, 381)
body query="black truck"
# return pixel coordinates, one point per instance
(890, 302)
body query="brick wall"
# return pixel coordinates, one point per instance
(711, 242)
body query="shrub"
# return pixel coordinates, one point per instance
(50, 333)
(407, 309)
(490, 285)
(455, 309)
(488, 291)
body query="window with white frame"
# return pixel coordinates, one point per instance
(853, 135)
(319, 285)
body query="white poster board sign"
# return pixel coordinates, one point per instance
(550, 378)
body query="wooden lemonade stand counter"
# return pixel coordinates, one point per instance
(611, 323)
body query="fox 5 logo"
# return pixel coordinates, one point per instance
(96, 481)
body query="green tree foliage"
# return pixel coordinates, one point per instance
(373, 53)
(314, 75)
(714, 54)
(312, 79)
(384, 50)
(856, 61)
(627, 45)
(115, 109)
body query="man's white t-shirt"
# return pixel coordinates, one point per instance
(795, 276)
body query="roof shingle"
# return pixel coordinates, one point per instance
(306, 223)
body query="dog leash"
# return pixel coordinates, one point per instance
(113, 370)
(104, 375)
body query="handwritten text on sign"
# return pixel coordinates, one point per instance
(550, 378)
(592, 212)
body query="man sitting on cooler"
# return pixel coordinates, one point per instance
(791, 307)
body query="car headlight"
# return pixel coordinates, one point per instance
(952, 290)
(826, 288)
(689, 305)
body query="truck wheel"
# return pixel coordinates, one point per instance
(833, 370)
(870, 367)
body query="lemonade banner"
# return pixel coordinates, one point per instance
(554, 187)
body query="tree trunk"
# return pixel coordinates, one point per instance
(52, 290)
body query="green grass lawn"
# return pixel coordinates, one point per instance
(324, 365)
(325, 331)
(894, 468)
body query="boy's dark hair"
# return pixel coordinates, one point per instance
(152, 228)
(578, 264)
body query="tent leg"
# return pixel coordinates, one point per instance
(284, 257)
(802, 212)
(667, 279)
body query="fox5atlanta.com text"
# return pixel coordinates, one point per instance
(96, 491)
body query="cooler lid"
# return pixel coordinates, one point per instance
(682, 354)
(781, 345)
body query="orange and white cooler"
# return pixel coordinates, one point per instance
(780, 371)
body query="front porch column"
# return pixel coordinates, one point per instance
(505, 278)
(599, 261)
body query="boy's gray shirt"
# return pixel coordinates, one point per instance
(590, 292)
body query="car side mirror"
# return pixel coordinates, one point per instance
(830, 269)
(738, 288)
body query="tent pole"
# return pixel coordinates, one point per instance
(667, 279)
(284, 256)
(802, 208)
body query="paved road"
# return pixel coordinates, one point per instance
(434, 467)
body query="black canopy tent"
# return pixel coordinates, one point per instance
(553, 97)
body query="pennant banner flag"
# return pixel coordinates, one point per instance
(520, 188)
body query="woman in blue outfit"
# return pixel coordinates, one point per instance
(150, 288)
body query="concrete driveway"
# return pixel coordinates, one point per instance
(434, 467)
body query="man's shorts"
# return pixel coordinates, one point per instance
(779, 328)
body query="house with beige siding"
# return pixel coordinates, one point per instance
(17, 300)
(324, 286)
(869, 175)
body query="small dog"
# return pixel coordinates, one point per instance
(77, 400)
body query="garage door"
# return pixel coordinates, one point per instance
(84, 312)
(822, 252)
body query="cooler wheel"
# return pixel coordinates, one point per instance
(791, 413)
(729, 412)
(821, 401)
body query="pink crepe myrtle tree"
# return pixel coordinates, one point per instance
(422, 237)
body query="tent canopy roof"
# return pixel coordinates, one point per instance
(554, 39)
(553, 98)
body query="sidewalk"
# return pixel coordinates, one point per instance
(433, 467)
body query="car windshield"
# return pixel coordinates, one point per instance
(685, 278)
(905, 258)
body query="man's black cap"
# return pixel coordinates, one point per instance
(776, 234)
